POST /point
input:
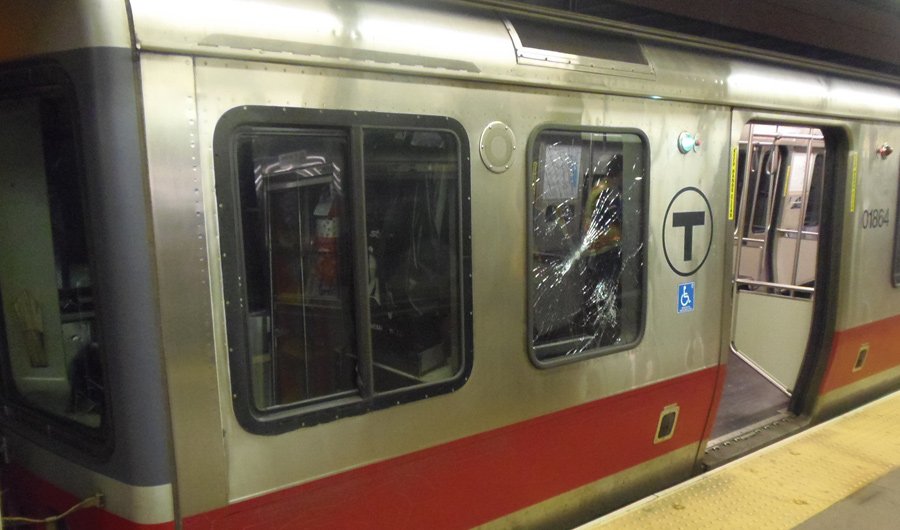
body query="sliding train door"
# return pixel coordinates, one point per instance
(777, 179)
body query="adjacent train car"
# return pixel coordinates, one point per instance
(312, 264)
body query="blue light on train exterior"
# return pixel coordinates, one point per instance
(687, 142)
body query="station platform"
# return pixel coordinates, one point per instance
(844, 473)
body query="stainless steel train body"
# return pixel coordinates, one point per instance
(385, 265)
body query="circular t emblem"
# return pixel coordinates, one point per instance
(687, 231)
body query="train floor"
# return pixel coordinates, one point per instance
(753, 413)
(748, 398)
(844, 473)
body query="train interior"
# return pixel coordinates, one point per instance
(781, 171)
(45, 274)
(299, 236)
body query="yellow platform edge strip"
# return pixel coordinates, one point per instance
(782, 485)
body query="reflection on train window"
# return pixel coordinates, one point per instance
(896, 267)
(762, 178)
(412, 225)
(587, 232)
(739, 184)
(48, 329)
(351, 270)
(299, 265)
(814, 200)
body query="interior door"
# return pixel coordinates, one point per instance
(776, 241)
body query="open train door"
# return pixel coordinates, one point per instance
(781, 172)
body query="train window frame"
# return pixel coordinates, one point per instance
(44, 82)
(365, 397)
(640, 244)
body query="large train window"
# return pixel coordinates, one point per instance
(587, 233)
(48, 330)
(343, 260)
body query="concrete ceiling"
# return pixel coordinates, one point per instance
(856, 33)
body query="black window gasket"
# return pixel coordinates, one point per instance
(529, 274)
(291, 417)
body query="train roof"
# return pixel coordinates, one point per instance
(452, 40)
(859, 35)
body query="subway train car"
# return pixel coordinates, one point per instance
(358, 264)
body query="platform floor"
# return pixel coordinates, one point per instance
(844, 473)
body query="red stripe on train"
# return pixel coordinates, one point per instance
(480, 478)
(455, 485)
(883, 338)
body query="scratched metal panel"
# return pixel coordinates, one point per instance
(504, 387)
(742, 83)
(370, 35)
(869, 288)
(183, 277)
(473, 45)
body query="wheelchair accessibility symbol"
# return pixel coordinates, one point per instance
(686, 297)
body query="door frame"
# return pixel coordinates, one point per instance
(838, 145)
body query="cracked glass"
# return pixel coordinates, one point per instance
(587, 251)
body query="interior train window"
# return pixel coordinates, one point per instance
(896, 268)
(739, 184)
(814, 205)
(343, 260)
(765, 173)
(587, 233)
(49, 332)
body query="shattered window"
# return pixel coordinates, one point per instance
(587, 232)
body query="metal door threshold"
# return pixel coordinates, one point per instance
(733, 445)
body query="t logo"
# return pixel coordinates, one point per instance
(687, 231)
(688, 220)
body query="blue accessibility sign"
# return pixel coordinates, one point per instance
(686, 297)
